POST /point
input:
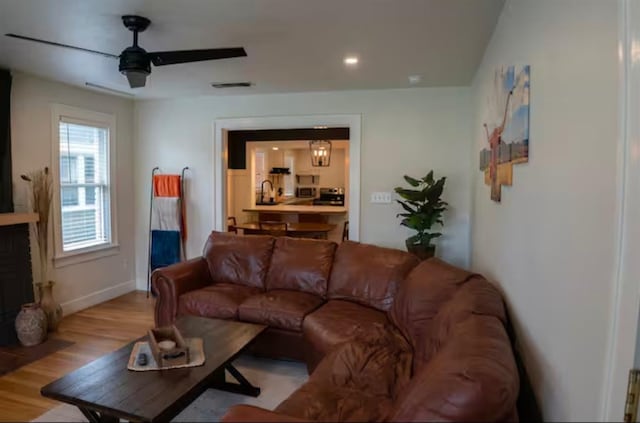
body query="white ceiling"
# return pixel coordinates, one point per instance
(292, 45)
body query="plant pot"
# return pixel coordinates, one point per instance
(423, 252)
(31, 325)
(52, 309)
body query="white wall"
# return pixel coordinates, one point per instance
(550, 243)
(83, 284)
(404, 131)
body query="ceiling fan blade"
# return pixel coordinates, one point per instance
(160, 58)
(53, 43)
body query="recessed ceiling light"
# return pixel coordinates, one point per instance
(415, 79)
(351, 60)
(274, 148)
(320, 127)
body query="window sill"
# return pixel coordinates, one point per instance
(86, 254)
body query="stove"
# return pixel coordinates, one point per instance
(330, 197)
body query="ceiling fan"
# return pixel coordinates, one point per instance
(135, 62)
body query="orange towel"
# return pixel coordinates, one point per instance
(170, 186)
(166, 185)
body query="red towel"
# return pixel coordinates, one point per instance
(170, 186)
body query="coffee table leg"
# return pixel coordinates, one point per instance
(243, 386)
(95, 417)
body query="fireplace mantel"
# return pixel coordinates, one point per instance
(7, 219)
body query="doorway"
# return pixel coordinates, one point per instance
(223, 157)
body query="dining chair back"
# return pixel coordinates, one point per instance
(345, 231)
(273, 228)
(232, 224)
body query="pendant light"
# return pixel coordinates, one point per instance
(320, 153)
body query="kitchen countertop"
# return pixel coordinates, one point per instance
(294, 209)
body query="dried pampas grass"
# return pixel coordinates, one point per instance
(41, 190)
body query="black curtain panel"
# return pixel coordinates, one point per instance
(6, 189)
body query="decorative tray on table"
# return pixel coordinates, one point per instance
(166, 349)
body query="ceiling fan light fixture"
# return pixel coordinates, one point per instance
(136, 78)
(320, 151)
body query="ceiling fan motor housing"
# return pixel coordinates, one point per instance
(136, 59)
(134, 62)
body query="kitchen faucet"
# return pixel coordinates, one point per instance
(262, 189)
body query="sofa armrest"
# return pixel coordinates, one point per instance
(249, 413)
(168, 283)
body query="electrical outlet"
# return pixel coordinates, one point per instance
(381, 197)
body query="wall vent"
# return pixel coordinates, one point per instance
(231, 84)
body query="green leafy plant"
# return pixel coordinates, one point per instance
(423, 208)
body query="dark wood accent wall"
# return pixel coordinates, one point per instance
(6, 189)
(237, 140)
(16, 280)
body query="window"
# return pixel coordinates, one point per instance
(84, 206)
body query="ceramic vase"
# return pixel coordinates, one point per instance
(31, 325)
(52, 309)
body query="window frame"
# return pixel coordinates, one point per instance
(74, 115)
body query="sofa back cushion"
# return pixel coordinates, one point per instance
(471, 377)
(301, 265)
(368, 274)
(434, 298)
(238, 259)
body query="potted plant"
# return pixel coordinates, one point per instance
(423, 208)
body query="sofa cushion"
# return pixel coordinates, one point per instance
(472, 377)
(368, 274)
(220, 300)
(433, 298)
(238, 259)
(338, 321)
(356, 381)
(301, 265)
(279, 308)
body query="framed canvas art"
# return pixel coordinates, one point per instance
(506, 128)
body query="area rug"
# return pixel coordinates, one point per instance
(14, 357)
(276, 379)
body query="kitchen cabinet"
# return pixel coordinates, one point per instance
(307, 179)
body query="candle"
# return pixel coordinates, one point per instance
(166, 345)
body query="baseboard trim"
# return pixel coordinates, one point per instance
(98, 297)
(141, 283)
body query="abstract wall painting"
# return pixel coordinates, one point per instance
(506, 127)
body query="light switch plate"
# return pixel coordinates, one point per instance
(381, 197)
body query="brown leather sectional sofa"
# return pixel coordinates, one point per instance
(385, 337)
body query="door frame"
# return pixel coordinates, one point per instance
(625, 306)
(220, 156)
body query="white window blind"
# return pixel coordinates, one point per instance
(84, 186)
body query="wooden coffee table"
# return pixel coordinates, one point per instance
(104, 390)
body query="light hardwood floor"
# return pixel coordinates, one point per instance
(95, 331)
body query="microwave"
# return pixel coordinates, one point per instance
(306, 192)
